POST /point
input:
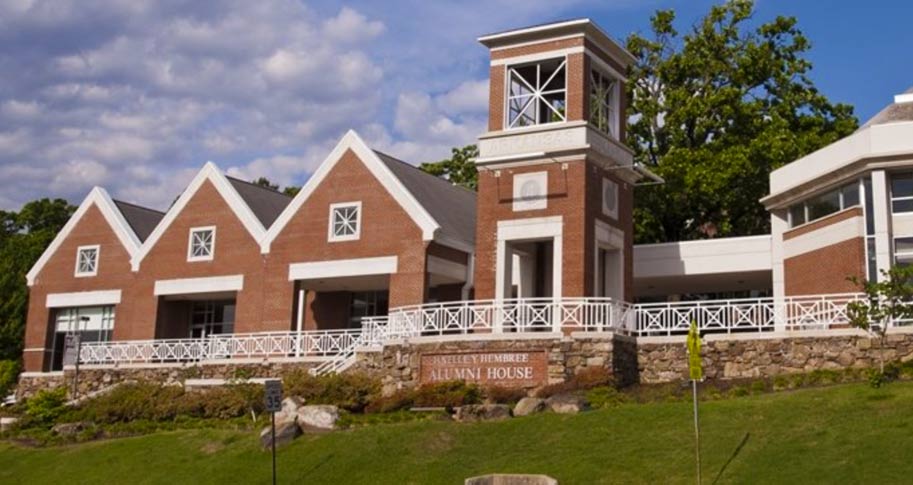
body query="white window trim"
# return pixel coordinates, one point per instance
(94, 272)
(212, 249)
(507, 68)
(331, 236)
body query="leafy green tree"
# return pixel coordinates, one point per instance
(713, 112)
(459, 169)
(265, 182)
(23, 237)
(885, 301)
(291, 190)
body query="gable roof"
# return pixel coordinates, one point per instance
(453, 207)
(210, 172)
(266, 203)
(431, 227)
(97, 197)
(142, 220)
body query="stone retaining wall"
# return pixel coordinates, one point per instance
(727, 357)
(95, 378)
(398, 364)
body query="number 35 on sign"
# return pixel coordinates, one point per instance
(273, 396)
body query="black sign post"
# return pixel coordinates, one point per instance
(272, 403)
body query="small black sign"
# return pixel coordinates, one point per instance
(70, 348)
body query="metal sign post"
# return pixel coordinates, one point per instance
(272, 403)
(72, 346)
(696, 373)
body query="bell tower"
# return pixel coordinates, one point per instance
(556, 179)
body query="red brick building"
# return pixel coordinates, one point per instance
(552, 222)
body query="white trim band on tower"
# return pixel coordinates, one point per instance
(83, 298)
(343, 267)
(213, 284)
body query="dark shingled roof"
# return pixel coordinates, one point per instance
(453, 207)
(141, 219)
(266, 203)
(892, 113)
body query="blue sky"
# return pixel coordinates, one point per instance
(135, 97)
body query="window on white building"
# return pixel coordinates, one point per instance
(604, 97)
(824, 204)
(902, 192)
(202, 244)
(345, 221)
(536, 93)
(87, 260)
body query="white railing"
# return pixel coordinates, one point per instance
(511, 316)
(821, 312)
(818, 312)
(229, 346)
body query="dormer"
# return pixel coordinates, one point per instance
(556, 90)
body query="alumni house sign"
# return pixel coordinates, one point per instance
(508, 368)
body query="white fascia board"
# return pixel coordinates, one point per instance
(710, 256)
(531, 30)
(100, 198)
(211, 173)
(343, 267)
(892, 139)
(189, 286)
(83, 298)
(351, 141)
(445, 267)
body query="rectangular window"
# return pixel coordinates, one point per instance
(87, 260)
(825, 204)
(93, 324)
(212, 317)
(536, 93)
(345, 221)
(367, 304)
(604, 103)
(201, 246)
(902, 192)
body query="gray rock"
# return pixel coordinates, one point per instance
(289, 411)
(529, 405)
(286, 432)
(71, 429)
(7, 423)
(499, 479)
(481, 412)
(317, 417)
(566, 403)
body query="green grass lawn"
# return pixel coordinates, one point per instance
(842, 434)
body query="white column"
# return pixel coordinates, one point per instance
(778, 226)
(299, 324)
(881, 210)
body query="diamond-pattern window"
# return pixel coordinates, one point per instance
(537, 93)
(87, 261)
(202, 244)
(604, 103)
(345, 221)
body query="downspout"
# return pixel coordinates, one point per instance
(470, 274)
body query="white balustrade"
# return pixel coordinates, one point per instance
(804, 313)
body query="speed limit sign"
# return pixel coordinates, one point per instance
(273, 396)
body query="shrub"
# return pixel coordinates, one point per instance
(448, 394)
(758, 387)
(503, 395)
(349, 391)
(739, 391)
(605, 397)
(9, 371)
(45, 407)
(588, 378)
(399, 400)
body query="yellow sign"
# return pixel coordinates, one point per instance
(695, 368)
